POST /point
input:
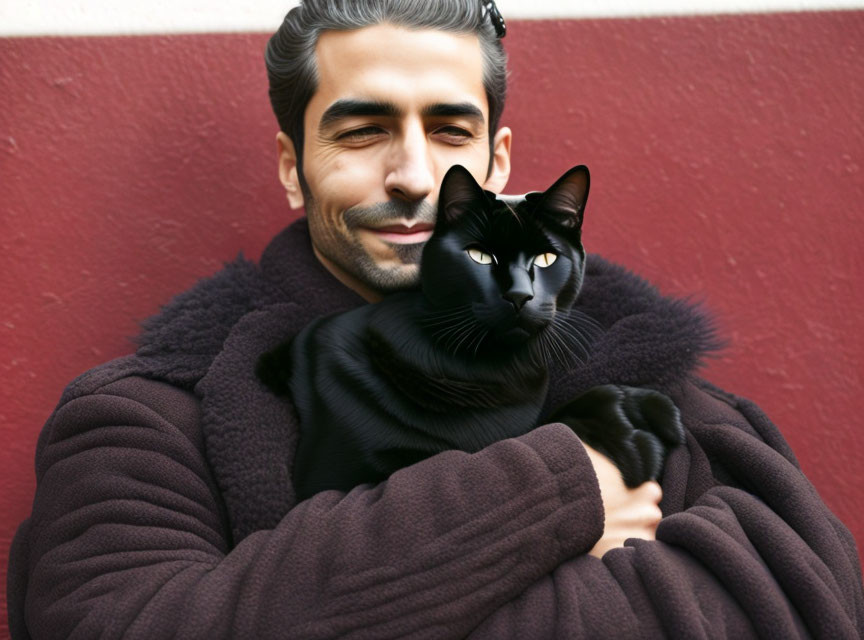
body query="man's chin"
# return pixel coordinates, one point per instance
(400, 277)
(395, 268)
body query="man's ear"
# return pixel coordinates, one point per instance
(288, 170)
(500, 172)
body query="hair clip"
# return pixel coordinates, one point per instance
(496, 17)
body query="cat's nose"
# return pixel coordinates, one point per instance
(520, 290)
(517, 299)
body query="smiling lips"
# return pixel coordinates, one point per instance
(403, 234)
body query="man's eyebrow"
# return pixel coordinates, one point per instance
(454, 109)
(346, 108)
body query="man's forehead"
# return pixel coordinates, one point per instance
(382, 40)
(406, 68)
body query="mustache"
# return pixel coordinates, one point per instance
(384, 213)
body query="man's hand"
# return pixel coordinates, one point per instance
(630, 513)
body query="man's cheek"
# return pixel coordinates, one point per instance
(474, 156)
(355, 171)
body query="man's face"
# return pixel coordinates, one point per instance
(394, 110)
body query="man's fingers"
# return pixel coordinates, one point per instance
(649, 491)
(653, 494)
(647, 514)
(629, 512)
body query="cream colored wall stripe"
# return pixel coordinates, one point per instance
(104, 17)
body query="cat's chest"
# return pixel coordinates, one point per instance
(355, 368)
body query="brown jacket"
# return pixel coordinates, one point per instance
(164, 508)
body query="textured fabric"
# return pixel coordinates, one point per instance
(164, 507)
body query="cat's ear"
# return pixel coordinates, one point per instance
(459, 193)
(565, 200)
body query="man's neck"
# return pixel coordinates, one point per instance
(364, 291)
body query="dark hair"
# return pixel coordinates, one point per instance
(290, 55)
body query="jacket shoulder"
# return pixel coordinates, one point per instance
(132, 400)
(711, 405)
(179, 407)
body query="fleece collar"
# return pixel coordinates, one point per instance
(209, 338)
(648, 340)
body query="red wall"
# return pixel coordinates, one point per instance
(726, 157)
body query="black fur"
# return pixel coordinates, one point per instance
(464, 361)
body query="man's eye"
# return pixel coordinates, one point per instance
(359, 134)
(454, 134)
(545, 259)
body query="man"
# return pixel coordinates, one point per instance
(164, 506)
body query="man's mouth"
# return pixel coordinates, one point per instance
(403, 234)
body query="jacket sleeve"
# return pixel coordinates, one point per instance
(128, 536)
(746, 549)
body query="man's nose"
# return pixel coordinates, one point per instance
(410, 176)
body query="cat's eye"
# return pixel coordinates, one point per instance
(480, 257)
(545, 259)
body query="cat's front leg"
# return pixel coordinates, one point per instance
(635, 428)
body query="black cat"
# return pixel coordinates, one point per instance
(462, 362)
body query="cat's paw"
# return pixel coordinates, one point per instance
(635, 428)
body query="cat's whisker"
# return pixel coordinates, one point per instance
(579, 333)
(446, 315)
(578, 351)
(566, 347)
(582, 324)
(445, 321)
(468, 333)
(467, 339)
(544, 350)
(441, 333)
(570, 334)
(482, 337)
(442, 318)
(442, 327)
(451, 346)
(580, 320)
(574, 328)
(449, 311)
(455, 333)
(557, 346)
(582, 355)
(542, 343)
(477, 334)
(558, 355)
(455, 321)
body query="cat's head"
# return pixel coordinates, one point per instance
(502, 271)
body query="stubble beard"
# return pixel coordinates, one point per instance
(345, 249)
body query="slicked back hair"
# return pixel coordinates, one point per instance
(292, 67)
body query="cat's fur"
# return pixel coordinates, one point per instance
(462, 362)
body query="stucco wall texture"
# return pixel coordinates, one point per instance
(726, 157)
